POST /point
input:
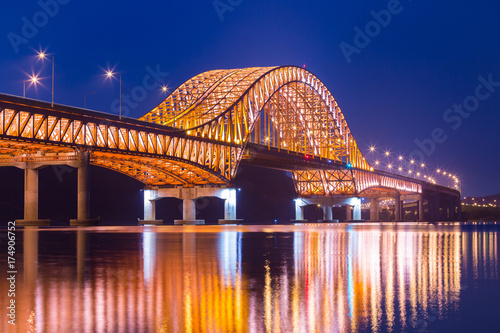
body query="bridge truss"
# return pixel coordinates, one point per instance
(201, 132)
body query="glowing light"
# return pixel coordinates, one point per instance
(389, 166)
(418, 173)
(400, 169)
(377, 162)
(400, 157)
(412, 161)
(387, 153)
(34, 79)
(422, 165)
(372, 148)
(109, 73)
(164, 88)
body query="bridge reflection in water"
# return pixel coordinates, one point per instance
(247, 279)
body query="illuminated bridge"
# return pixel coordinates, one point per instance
(192, 143)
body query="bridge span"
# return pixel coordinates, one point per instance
(192, 143)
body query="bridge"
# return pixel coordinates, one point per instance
(192, 143)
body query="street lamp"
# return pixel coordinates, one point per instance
(33, 79)
(42, 56)
(110, 74)
(85, 99)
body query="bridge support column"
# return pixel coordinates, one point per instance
(348, 212)
(452, 210)
(188, 196)
(327, 214)
(229, 195)
(397, 208)
(83, 206)
(299, 211)
(356, 212)
(30, 194)
(31, 200)
(189, 209)
(83, 210)
(457, 209)
(433, 204)
(374, 210)
(421, 208)
(150, 196)
(230, 205)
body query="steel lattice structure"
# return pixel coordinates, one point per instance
(284, 107)
(200, 133)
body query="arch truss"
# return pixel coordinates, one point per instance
(287, 109)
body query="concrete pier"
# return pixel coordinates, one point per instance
(188, 195)
(374, 210)
(421, 209)
(31, 200)
(353, 208)
(397, 208)
(149, 209)
(83, 196)
(189, 210)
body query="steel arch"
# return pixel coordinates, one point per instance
(283, 107)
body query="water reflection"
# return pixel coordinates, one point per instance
(233, 279)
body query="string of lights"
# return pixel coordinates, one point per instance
(385, 159)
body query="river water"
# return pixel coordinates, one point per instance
(297, 278)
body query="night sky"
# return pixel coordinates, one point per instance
(396, 81)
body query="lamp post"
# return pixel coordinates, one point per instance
(42, 56)
(110, 74)
(85, 99)
(33, 79)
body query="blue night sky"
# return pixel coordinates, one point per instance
(394, 85)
